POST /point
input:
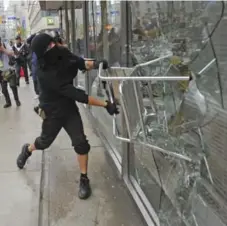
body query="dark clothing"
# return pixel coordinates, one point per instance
(13, 87)
(56, 79)
(57, 99)
(72, 124)
(36, 87)
(25, 68)
(34, 66)
(5, 92)
(114, 50)
(22, 51)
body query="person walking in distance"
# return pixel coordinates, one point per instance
(8, 75)
(57, 67)
(21, 51)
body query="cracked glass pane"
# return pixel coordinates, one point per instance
(179, 128)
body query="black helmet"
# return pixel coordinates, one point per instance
(40, 44)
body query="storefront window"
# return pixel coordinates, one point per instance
(179, 163)
(79, 43)
(104, 37)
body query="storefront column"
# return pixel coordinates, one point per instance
(60, 21)
(104, 21)
(73, 33)
(86, 42)
(127, 149)
(67, 23)
(73, 27)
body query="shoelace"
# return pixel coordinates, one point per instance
(84, 182)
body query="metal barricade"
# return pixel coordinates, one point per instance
(135, 121)
(142, 120)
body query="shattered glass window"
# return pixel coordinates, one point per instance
(179, 128)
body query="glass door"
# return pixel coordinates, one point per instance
(177, 165)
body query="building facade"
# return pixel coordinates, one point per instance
(41, 20)
(168, 144)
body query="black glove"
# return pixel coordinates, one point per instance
(111, 108)
(97, 62)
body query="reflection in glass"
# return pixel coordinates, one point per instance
(180, 143)
(104, 36)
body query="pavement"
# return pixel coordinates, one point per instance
(19, 189)
(45, 192)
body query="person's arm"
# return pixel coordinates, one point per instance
(7, 52)
(95, 102)
(64, 88)
(79, 95)
(84, 64)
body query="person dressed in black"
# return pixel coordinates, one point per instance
(8, 75)
(21, 51)
(57, 67)
(29, 55)
(32, 63)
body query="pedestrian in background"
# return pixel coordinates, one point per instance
(8, 75)
(21, 52)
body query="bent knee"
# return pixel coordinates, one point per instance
(82, 148)
(41, 144)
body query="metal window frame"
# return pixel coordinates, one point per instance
(114, 153)
(125, 164)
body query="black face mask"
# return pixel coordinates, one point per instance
(54, 55)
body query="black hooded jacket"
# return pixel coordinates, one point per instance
(55, 73)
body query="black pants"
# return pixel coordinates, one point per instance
(36, 87)
(25, 68)
(72, 124)
(5, 92)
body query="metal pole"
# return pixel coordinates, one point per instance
(61, 24)
(86, 41)
(105, 46)
(73, 27)
(67, 22)
(73, 34)
(104, 22)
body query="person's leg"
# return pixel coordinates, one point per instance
(25, 68)
(36, 87)
(74, 127)
(15, 94)
(50, 128)
(17, 69)
(6, 94)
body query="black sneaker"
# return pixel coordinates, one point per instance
(23, 156)
(85, 189)
(7, 105)
(18, 103)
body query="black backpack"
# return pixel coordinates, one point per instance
(12, 60)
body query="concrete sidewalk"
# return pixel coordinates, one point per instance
(19, 189)
(29, 199)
